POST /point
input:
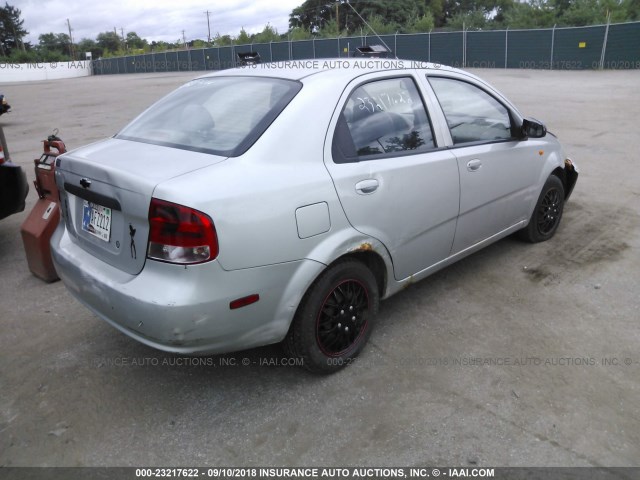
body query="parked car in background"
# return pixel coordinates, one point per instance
(13, 181)
(4, 105)
(280, 204)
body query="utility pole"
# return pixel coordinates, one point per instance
(184, 40)
(338, 17)
(73, 57)
(208, 26)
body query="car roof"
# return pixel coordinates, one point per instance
(333, 67)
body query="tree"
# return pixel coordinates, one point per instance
(243, 37)
(299, 34)
(54, 42)
(582, 12)
(473, 11)
(632, 9)
(198, 43)
(330, 29)
(134, 41)
(268, 34)
(222, 40)
(312, 15)
(87, 45)
(422, 24)
(397, 13)
(535, 14)
(436, 7)
(378, 25)
(109, 41)
(11, 30)
(473, 20)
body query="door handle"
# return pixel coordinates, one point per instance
(474, 165)
(367, 187)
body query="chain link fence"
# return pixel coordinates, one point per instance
(614, 46)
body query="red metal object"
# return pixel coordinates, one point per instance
(39, 226)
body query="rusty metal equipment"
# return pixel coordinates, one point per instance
(39, 226)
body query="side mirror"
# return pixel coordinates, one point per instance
(532, 128)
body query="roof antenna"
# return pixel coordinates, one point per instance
(367, 24)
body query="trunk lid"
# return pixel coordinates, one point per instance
(106, 189)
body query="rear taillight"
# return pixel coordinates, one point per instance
(179, 234)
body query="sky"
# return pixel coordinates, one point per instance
(159, 20)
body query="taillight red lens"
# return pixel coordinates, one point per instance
(179, 234)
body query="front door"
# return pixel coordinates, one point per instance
(498, 171)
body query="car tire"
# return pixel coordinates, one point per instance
(547, 214)
(334, 319)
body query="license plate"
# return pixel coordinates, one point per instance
(96, 220)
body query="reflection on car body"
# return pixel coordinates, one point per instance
(281, 204)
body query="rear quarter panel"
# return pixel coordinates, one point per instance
(253, 198)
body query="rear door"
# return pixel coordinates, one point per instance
(394, 181)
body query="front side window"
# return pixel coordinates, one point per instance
(382, 117)
(472, 114)
(218, 115)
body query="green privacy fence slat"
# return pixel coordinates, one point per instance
(529, 48)
(486, 49)
(302, 50)
(390, 40)
(616, 46)
(280, 51)
(183, 61)
(447, 48)
(211, 58)
(327, 48)
(263, 50)
(623, 47)
(227, 57)
(348, 45)
(411, 47)
(198, 61)
(139, 64)
(577, 48)
(171, 60)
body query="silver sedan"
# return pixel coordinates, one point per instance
(280, 203)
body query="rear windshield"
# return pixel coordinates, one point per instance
(219, 115)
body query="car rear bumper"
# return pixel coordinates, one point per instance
(182, 309)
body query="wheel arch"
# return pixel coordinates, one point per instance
(304, 339)
(562, 175)
(568, 175)
(366, 250)
(373, 261)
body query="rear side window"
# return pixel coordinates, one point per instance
(472, 114)
(219, 115)
(382, 117)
